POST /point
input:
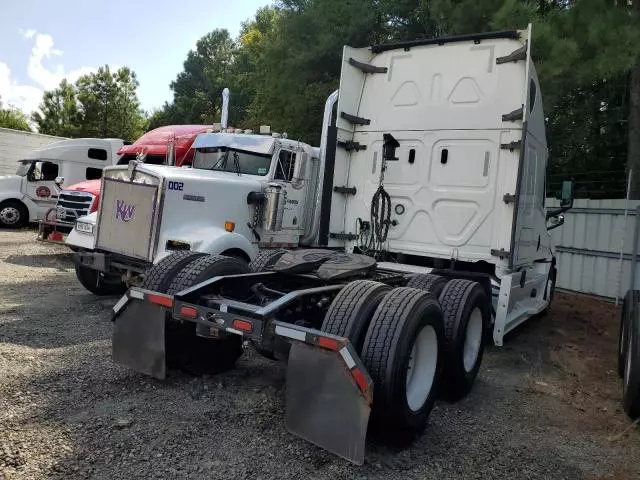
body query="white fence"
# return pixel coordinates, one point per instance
(589, 246)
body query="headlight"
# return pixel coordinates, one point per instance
(120, 173)
(84, 227)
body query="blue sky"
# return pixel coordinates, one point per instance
(43, 41)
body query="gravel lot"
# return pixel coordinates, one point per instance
(546, 406)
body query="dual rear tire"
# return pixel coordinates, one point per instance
(414, 346)
(185, 350)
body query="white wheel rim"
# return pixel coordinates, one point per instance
(9, 215)
(421, 370)
(472, 340)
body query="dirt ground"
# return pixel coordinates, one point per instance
(545, 406)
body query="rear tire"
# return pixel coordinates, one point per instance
(265, 260)
(13, 214)
(401, 353)
(428, 282)
(96, 284)
(187, 351)
(631, 378)
(352, 309)
(466, 313)
(631, 298)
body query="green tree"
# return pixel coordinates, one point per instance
(109, 105)
(13, 118)
(100, 104)
(207, 71)
(59, 112)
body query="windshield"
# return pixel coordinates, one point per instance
(223, 159)
(23, 167)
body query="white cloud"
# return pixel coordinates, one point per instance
(27, 97)
(27, 33)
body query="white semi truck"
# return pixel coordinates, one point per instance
(426, 212)
(150, 211)
(42, 173)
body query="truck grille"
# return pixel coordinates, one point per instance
(127, 217)
(72, 205)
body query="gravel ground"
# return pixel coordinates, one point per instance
(546, 406)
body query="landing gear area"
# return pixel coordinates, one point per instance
(366, 347)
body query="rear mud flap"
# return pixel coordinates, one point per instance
(138, 338)
(324, 405)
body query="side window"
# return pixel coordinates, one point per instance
(97, 153)
(532, 94)
(93, 173)
(49, 171)
(286, 165)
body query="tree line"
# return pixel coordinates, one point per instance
(287, 58)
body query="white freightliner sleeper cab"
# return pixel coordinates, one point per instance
(150, 211)
(430, 211)
(33, 191)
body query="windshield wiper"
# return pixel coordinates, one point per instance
(223, 160)
(236, 163)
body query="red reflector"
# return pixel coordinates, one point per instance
(242, 325)
(160, 300)
(329, 343)
(358, 376)
(188, 311)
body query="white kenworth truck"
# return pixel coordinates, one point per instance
(429, 231)
(150, 211)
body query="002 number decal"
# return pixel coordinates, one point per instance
(175, 186)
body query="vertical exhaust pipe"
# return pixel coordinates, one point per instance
(326, 123)
(224, 117)
(171, 152)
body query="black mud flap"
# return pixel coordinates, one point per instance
(324, 404)
(138, 338)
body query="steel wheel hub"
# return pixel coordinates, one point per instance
(9, 215)
(421, 369)
(472, 340)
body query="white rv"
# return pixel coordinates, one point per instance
(33, 190)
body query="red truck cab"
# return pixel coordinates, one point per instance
(83, 198)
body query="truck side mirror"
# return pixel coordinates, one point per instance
(566, 202)
(59, 181)
(566, 198)
(555, 222)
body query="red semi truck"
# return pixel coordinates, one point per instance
(83, 198)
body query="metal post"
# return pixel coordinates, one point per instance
(634, 253)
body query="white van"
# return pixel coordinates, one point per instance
(27, 196)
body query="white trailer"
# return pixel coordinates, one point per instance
(429, 208)
(39, 175)
(15, 144)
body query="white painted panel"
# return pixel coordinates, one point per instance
(14, 145)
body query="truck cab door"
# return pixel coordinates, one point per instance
(290, 171)
(41, 187)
